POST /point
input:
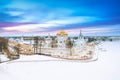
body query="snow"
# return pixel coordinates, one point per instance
(37, 67)
(3, 57)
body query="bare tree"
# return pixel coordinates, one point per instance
(3, 44)
(41, 41)
(69, 45)
(36, 44)
(53, 43)
(17, 49)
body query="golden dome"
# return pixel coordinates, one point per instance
(62, 33)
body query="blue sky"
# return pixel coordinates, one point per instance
(35, 17)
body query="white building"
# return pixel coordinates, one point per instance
(61, 39)
(47, 42)
(80, 41)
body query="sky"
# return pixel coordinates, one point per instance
(42, 17)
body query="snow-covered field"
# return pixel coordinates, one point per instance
(37, 67)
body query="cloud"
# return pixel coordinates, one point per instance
(48, 24)
(7, 16)
(29, 27)
(73, 20)
(101, 30)
(15, 13)
(45, 14)
(94, 31)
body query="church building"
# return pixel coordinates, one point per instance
(61, 38)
